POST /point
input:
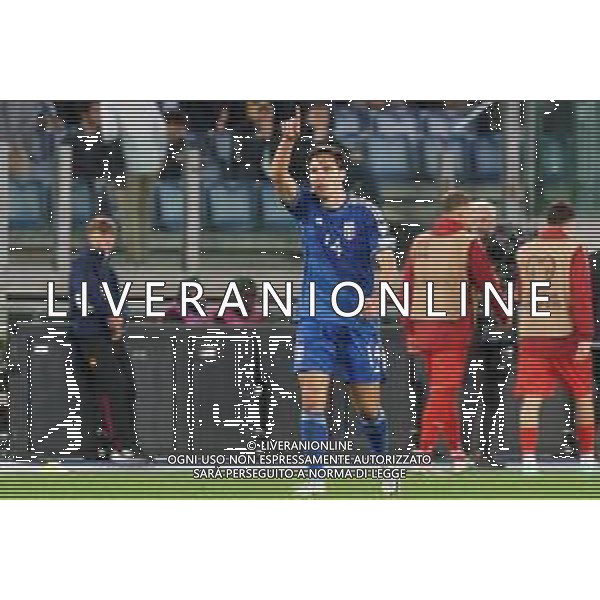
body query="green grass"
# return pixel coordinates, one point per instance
(49, 482)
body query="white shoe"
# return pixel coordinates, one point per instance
(125, 454)
(389, 486)
(530, 465)
(312, 487)
(588, 461)
(460, 461)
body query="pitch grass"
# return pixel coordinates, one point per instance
(51, 483)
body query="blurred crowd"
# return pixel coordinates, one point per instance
(140, 147)
(236, 139)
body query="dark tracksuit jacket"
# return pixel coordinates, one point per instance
(101, 366)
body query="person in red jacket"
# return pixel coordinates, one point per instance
(443, 258)
(555, 346)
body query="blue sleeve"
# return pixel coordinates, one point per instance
(377, 232)
(305, 202)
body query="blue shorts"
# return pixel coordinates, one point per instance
(352, 351)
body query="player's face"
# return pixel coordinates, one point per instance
(326, 176)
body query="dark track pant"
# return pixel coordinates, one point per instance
(492, 378)
(105, 379)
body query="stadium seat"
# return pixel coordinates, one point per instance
(29, 205)
(232, 206)
(346, 124)
(210, 172)
(397, 123)
(83, 204)
(223, 144)
(553, 159)
(444, 156)
(388, 157)
(170, 204)
(488, 158)
(435, 121)
(274, 214)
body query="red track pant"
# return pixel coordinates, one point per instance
(442, 414)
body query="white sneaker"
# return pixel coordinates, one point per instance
(588, 461)
(460, 461)
(389, 486)
(312, 487)
(530, 465)
(125, 455)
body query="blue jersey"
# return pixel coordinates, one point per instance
(339, 245)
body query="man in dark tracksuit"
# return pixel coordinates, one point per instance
(100, 361)
(405, 234)
(488, 343)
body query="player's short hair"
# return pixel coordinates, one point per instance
(455, 200)
(101, 226)
(337, 153)
(560, 213)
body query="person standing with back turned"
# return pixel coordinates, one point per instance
(443, 258)
(555, 346)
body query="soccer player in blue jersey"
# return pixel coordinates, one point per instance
(345, 239)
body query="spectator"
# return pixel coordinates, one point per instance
(212, 125)
(202, 115)
(318, 123)
(95, 160)
(218, 143)
(381, 139)
(444, 153)
(176, 134)
(255, 151)
(141, 131)
(19, 133)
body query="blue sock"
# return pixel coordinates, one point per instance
(313, 428)
(376, 432)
